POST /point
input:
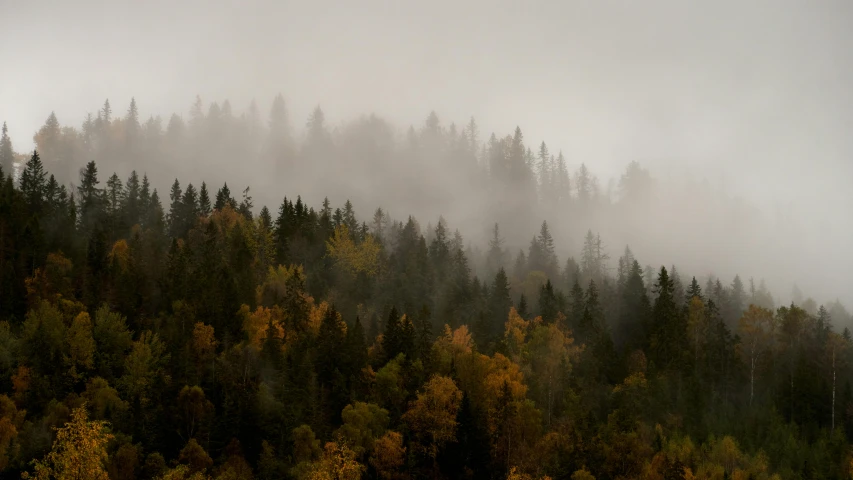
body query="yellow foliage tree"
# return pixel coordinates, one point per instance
(11, 420)
(515, 474)
(257, 324)
(351, 257)
(81, 346)
(337, 463)
(431, 418)
(120, 256)
(79, 451)
(515, 332)
(451, 345)
(389, 455)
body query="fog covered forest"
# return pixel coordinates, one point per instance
(246, 298)
(470, 178)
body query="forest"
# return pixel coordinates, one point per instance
(191, 334)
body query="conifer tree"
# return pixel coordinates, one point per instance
(499, 304)
(131, 125)
(33, 183)
(189, 209)
(392, 338)
(522, 307)
(669, 329)
(694, 290)
(223, 198)
(548, 303)
(131, 196)
(176, 210)
(7, 155)
(204, 207)
(90, 198)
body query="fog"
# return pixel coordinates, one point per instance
(742, 112)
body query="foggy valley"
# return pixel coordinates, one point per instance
(565, 232)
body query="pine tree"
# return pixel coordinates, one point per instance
(265, 218)
(546, 247)
(577, 304)
(7, 155)
(114, 196)
(204, 207)
(548, 306)
(176, 210)
(33, 183)
(499, 305)
(544, 168)
(669, 328)
(131, 125)
(736, 302)
(189, 209)
(495, 256)
(694, 290)
(223, 198)
(90, 198)
(635, 309)
(392, 338)
(522, 307)
(131, 196)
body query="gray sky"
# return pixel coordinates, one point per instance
(759, 93)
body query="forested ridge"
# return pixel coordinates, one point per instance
(191, 334)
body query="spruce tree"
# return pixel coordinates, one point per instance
(144, 198)
(669, 326)
(176, 210)
(132, 207)
(90, 198)
(495, 256)
(189, 209)
(634, 309)
(223, 198)
(548, 303)
(522, 307)
(499, 304)
(33, 183)
(546, 249)
(694, 290)
(7, 155)
(204, 207)
(265, 218)
(392, 337)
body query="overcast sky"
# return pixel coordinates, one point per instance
(756, 92)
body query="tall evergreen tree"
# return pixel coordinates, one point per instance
(223, 198)
(33, 183)
(7, 155)
(204, 207)
(669, 327)
(499, 305)
(90, 198)
(694, 290)
(176, 210)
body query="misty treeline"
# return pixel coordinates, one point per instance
(472, 178)
(182, 335)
